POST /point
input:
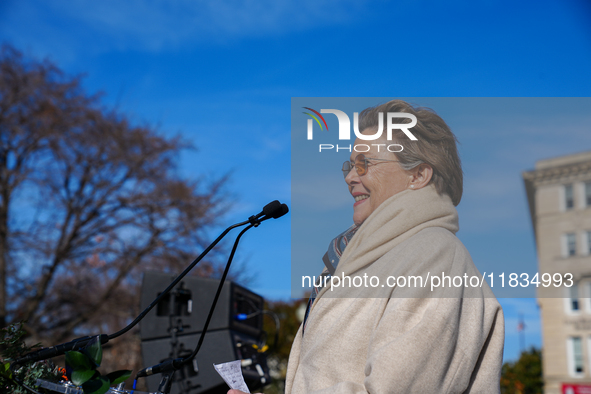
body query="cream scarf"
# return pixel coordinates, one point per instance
(372, 340)
(394, 221)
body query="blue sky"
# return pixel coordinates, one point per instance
(222, 74)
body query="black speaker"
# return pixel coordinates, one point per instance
(172, 329)
(237, 308)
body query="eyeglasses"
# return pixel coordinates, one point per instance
(360, 164)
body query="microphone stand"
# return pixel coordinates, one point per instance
(170, 366)
(176, 281)
(176, 326)
(272, 210)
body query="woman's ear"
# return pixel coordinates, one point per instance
(420, 176)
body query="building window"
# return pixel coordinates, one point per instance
(587, 243)
(574, 298)
(570, 244)
(569, 197)
(575, 356)
(588, 194)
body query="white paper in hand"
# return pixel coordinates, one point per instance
(231, 372)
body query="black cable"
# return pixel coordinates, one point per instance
(265, 312)
(104, 338)
(175, 364)
(217, 295)
(273, 210)
(177, 280)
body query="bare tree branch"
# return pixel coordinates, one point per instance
(88, 202)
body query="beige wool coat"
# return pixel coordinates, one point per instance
(402, 339)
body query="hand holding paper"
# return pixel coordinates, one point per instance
(231, 372)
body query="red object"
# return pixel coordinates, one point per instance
(568, 388)
(63, 372)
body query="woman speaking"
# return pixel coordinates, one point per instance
(412, 328)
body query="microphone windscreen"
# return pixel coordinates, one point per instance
(271, 208)
(283, 209)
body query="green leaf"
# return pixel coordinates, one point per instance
(119, 376)
(94, 350)
(99, 385)
(80, 377)
(78, 361)
(5, 370)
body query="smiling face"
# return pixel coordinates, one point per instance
(383, 179)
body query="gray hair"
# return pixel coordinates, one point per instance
(435, 145)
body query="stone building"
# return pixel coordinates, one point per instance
(559, 197)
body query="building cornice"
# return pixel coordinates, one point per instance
(577, 168)
(559, 174)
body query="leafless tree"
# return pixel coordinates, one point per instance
(87, 202)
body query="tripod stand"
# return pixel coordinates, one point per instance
(179, 303)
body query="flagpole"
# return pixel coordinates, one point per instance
(521, 329)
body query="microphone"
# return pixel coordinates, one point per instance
(274, 210)
(276, 213)
(43, 354)
(270, 208)
(280, 212)
(165, 366)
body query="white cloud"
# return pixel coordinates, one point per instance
(153, 25)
